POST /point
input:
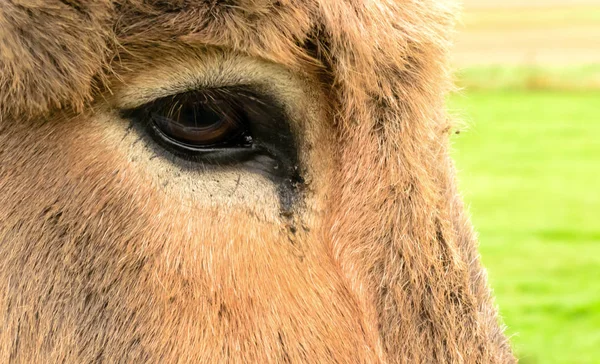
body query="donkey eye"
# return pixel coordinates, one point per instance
(221, 127)
(199, 121)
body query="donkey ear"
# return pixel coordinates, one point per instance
(50, 51)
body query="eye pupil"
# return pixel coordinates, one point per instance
(193, 120)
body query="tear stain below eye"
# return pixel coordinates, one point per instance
(286, 177)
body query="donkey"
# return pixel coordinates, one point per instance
(234, 181)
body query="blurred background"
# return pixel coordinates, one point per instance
(528, 157)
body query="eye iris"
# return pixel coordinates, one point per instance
(200, 122)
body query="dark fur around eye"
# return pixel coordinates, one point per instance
(223, 127)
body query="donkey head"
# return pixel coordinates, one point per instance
(244, 180)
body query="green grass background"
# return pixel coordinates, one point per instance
(529, 169)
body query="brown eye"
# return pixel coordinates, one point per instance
(223, 126)
(199, 121)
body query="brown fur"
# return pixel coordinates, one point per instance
(108, 254)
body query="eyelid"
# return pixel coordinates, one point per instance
(147, 98)
(130, 97)
(169, 71)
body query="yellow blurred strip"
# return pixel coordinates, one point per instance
(530, 18)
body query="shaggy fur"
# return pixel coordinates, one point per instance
(99, 262)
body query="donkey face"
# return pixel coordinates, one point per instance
(233, 181)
